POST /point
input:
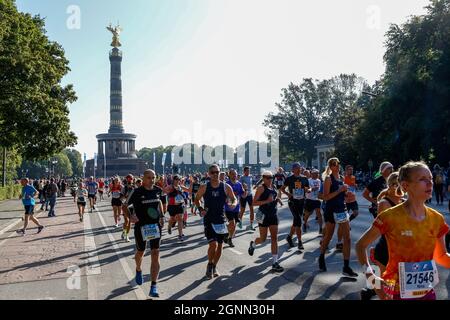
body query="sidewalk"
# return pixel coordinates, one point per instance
(10, 210)
(41, 256)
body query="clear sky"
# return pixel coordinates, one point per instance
(203, 70)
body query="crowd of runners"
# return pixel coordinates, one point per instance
(405, 241)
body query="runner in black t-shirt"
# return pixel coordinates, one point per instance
(298, 187)
(278, 181)
(148, 222)
(374, 188)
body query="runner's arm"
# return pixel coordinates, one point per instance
(283, 190)
(440, 253)
(199, 195)
(230, 194)
(326, 190)
(366, 239)
(258, 194)
(366, 195)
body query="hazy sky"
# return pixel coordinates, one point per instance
(203, 70)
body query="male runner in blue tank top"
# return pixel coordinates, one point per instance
(214, 194)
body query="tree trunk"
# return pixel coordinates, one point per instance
(4, 168)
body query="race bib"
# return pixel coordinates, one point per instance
(179, 199)
(351, 189)
(417, 278)
(220, 228)
(81, 199)
(260, 216)
(299, 194)
(150, 232)
(341, 217)
(315, 194)
(116, 194)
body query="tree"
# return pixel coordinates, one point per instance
(411, 116)
(312, 112)
(33, 103)
(75, 161)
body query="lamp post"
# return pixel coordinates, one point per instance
(54, 162)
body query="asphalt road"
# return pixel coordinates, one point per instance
(73, 260)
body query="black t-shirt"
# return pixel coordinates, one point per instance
(278, 179)
(146, 204)
(195, 187)
(376, 186)
(296, 182)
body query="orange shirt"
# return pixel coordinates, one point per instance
(351, 182)
(409, 240)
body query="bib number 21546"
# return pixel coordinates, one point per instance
(417, 278)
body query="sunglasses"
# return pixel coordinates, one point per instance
(268, 177)
(214, 172)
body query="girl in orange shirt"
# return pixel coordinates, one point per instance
(415, 236)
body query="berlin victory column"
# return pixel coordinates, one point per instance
(116, 148)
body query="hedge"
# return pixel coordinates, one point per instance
(10, 192)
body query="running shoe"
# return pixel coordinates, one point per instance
(209, 271)
(139, 280)
(40, 229)
(348, 272)
(21, 232)
(300, 245)
(367, 294)
(127, 239)
(215, 272)
(339, 247)
(239, 224)
(289, 240)
(322, 265)
(230, 243)
(123, 235)
(154, 292)
(181, 238)
(277, 268)
(169, 230)
(251, 248)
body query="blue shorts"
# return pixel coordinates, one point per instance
(29, 210)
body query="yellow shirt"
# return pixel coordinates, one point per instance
(409, 240)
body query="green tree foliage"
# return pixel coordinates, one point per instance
(316, 111)
(411, 118)
(13, 160)
(75, 161)
(33, 103)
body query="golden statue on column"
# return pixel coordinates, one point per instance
(116, 32)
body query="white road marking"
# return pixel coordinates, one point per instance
(93, 266)
(140, 294)
(12, 225)
(90, 248)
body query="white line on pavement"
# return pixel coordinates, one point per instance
(90, 248)
(12, 225)
(93, 266)
(137, 289)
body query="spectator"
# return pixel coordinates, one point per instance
(438, 179)
(52, 193)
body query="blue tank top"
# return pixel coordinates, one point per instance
(215, 199)
(336, 204)
(269, 209)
